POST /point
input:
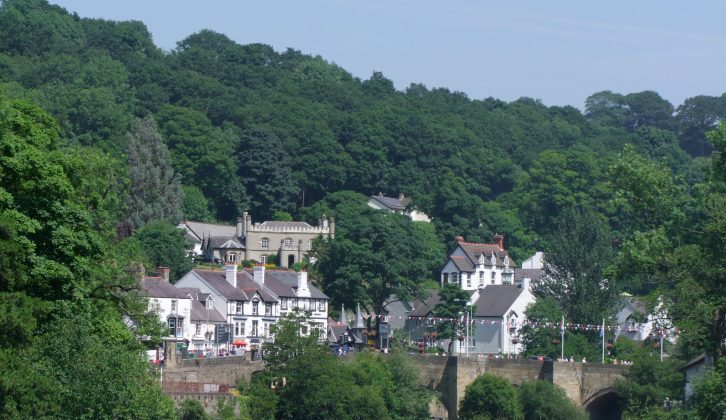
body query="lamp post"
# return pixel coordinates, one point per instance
(469, 329)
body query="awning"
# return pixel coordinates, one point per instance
(239, 342)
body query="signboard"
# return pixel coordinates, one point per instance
(221, 333)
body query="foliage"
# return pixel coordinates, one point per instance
(575, 274)
(166, 246)
(538, 341)
(192, 410)
(648, 382)
(156, 192)
(545, 400)
(711, 393)
(452, 308)
(490, 397)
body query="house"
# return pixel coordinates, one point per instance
(475, 265)
(289, 242)
(342, 337)
(188, 314)
(400, 205)
(252, 300)
(695, 370)
(637, 320)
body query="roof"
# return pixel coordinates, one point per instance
(200, 313)
(289, 225)
(423, 308)
(391, 202)
(474, 250)
(252, 288)
(495, 300)
(156, 287)
(534, 274)
(283, 283)
(462, 263)
(205, 230)
(701, 358)
(218, 281)
(217, 242)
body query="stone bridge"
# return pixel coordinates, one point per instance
(589, 385)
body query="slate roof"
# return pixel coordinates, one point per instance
(217, 242)
(284, 283)
(391, 202)
(495, 300)
(422, 308)
(251, 288)
(218, 281)
(199, 313)
(156, 287)
(474, 250)
(534, 274)
(205, 230)
(289, 225)
(462, 263)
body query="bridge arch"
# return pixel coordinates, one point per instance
(606, 403)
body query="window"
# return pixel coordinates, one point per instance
(172, 326)
(255, 307)
(263, 259)
(310, 245)
(265, 329)
(468, 280)
(295, 303)
(304, 330)
(455, 278)
(321, 305)
(446, 278)
(197, 329)
(287, 243)
(231, 257)
(283, 303)
(180, 328)
(265, 243)
(174, 306)
(239, 328)
(239, 307)
(494, 276)
(210, 303)
(268, 309)
(481, 278)
(254, 328)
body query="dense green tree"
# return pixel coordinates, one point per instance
(648, 382)
(545, 400)
(537, 340)
(156, 192)
(580, 250)
(192, 410)
(451, 308)
(166, 246)
(711, 393)
(195, 205)
(490, 397)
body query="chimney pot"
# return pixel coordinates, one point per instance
(164, 273)
(259, 274)
(499, 240)
(230, 273)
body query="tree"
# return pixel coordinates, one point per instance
(166, 246)
(195, 205)
(538, 341)
(711, 393)
(192, 410)
(648, 382)
(545, 400)
(452, 309)
(156, 192)
(490, 397)
(580, 250)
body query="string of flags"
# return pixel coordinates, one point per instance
(531, 324)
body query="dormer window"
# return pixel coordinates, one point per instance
(255, 306)
(265, 243)
(210, 303)
(493, 259)
(481, 258)
(506, 261)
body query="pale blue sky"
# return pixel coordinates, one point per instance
(557, 51)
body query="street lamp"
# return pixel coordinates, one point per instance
(469, 328)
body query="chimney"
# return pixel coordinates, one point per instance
(324, 221)
(259, 274)
(302, 284)
(230, 273)
(401, 197)
(332, 227)
(499, 240)
(164, 273)
(240, 224)
(459, 239)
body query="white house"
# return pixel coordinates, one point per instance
(639, 321)
(187, 313)
(251, 301)
(475, 265)
(400, 205)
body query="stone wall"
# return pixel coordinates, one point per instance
(217, 370)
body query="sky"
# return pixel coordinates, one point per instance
(557, 51)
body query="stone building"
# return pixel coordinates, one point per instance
(288, 242)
